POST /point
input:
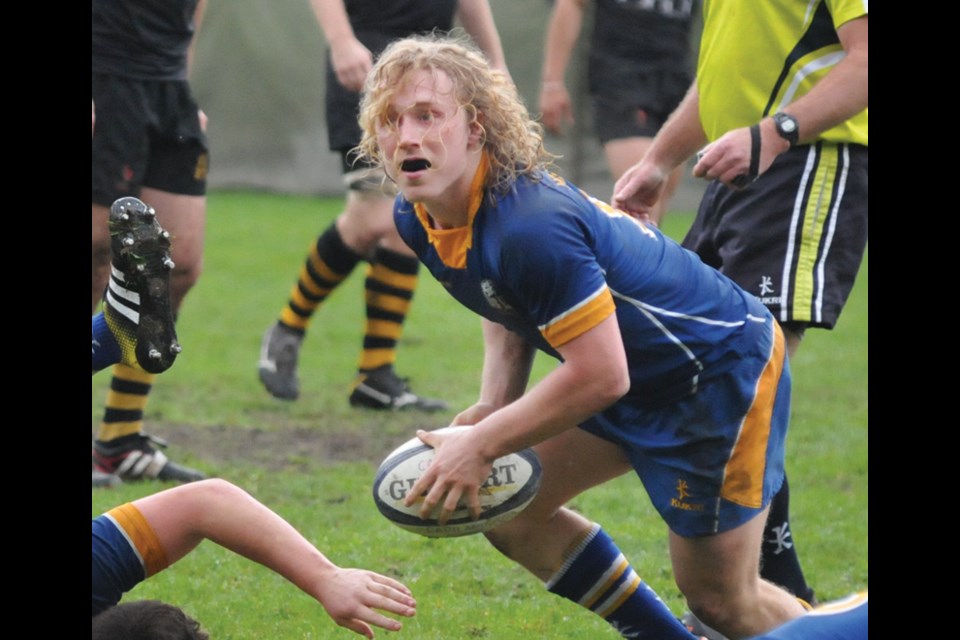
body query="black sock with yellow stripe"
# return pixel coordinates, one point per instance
(329, 262)
(125, 404)
(391, 281)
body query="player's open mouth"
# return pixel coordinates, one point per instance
(414, 164)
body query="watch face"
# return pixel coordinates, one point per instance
(785, 123)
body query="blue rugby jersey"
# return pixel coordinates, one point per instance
(550, 262)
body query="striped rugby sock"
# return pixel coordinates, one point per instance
(598, 577)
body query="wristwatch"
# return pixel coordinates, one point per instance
(787, 127)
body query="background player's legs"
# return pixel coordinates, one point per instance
(364, 230)
(120, 435)
(574, 557)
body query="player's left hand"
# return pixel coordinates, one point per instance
(457, 472)
(352, 598)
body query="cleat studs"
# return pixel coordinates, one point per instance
(141, 267)
(168, 263)
(175, 348)
(128, 241)
(154, 354)
(124, 216)
(165, 234)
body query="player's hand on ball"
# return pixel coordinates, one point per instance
(457, 471)
(353, 598)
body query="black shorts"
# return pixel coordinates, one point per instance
(634, 104)
(147, 134)
(795, 238)
(342, 109)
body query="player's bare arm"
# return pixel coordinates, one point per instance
(350, 59)
(639, 189)
(216, 510)
(592, 377)
(477, 20)
(563, 30)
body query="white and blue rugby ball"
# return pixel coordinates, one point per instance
(513, 483)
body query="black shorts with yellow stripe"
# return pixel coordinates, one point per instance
(795, 238)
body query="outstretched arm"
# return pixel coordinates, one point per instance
(219, 511)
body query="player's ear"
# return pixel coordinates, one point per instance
(476, 130)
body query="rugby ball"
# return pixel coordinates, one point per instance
(513, 483)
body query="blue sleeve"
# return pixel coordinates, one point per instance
(116, 566)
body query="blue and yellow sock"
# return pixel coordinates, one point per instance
(106, 351)
(598, 577)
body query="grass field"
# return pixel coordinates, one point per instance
(313, 460)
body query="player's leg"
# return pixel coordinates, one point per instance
(388, 292)
(573, 556)
(174, 182)
(797, 241)
(720, 577)
(352, 237)
(136, 326)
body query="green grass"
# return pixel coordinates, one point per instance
(255, 245)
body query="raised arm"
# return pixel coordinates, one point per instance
(219, 511)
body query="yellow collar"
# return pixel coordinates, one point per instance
(452, 244)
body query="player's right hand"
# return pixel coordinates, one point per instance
(351, 62)
(639, 189)
(555, 106)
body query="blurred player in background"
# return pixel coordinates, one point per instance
(148, 142)
(639, 69)
(780, 100)
(667, 368)
(356, 31)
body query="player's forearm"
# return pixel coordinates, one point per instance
(592, 377)
(563, 31)
(507, 360)
(681, 136)
(332, 17)
(477, 20)
(841, 93)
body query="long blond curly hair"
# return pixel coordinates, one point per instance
(512, 139)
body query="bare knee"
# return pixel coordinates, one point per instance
(182, 280)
